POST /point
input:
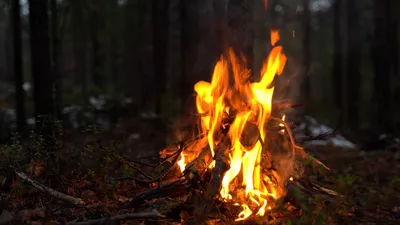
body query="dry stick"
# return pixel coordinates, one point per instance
(49, 191)
(294, 146)
(131, 216)
(159, 179)
(317, 137)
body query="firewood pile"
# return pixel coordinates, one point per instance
(192, 195)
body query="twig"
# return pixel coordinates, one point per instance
(132, 166)
(161, 177)
(316, 137)
(294, 146)
(131, 216)
(49, 191)
(288, 130)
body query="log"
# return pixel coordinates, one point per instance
(250, 135)
(222, 164)
(198, 166)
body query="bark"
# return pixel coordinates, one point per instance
(55, 49)
(306, 50)
(79, 47)
(132, 52)
(380, 50)
(189, 41)
(160, 45)
(98, 77)
(338, 76)
(220, 11)
(353, 62)
(18, 66)
(40, 58)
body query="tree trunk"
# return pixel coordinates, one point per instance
(18, 66)
(353, 63)
(306, 51)
(79, 47)
(160, 45)
(40, 58)
(55, 49)
(189, 41)
(98, 77)
(380, 50)
(220, 12)
(338, 72)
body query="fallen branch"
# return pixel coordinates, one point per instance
(172, 189)
(49, 191)
(131, 216)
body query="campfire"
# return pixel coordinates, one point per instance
(234, 117)
(243, 157)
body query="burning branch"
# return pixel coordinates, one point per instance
(221, 166)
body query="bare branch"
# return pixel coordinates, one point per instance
(131, 216)
(49, 191)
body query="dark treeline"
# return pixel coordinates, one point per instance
(343, 56)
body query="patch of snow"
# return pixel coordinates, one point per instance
(310, 126)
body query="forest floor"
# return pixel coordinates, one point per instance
(87, 165)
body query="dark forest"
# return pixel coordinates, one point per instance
(199, 112)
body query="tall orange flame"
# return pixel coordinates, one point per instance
(251, 103)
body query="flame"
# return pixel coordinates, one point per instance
(182, 162)
(248, 103)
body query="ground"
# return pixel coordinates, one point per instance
(94, 166)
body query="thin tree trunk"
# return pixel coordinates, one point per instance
(160, 45)
(18, 66)
(353, 63)
(381, 58)
(80, 48)
(339, 75)
(40, 58)
(55, 49)
(189, 41)
(306, 50)
(98, 78)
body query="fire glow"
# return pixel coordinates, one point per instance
(247, 103)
